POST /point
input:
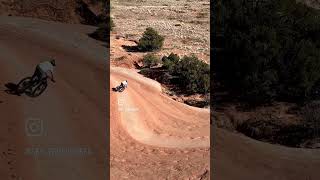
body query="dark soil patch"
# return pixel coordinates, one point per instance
(276, 133)
(282, 123)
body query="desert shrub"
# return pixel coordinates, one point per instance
(104, 28)
(150, 40)
(311, 117)
(106, 20)
(301, 74)
(166, 78)
(112, 25)
(103, 1)
(194, 75)
(145, 71)
(270, 51)
(150, 60)
(102, 33)
(188, 74)
(170, 61)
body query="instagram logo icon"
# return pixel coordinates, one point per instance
(34, 127)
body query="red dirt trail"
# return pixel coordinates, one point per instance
(152, 136)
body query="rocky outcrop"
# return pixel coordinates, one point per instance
(67, 11)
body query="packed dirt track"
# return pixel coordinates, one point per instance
(72, 141)
(154, 119)
(152, 136)
(239, 157)
(73, 112)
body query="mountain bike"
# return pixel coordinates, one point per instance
(32, 87)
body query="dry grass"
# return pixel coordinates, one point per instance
(184, 23)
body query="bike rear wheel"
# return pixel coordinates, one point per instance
(39, 89)
(121, 89)
(24, 85)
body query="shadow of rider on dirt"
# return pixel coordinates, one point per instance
(36, 84)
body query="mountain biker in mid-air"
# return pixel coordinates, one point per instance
(44, 70)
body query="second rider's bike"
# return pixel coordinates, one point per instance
(32, 87)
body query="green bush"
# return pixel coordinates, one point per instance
(271, 51)
(303, 71)
(103, 31)
(150, 60)
(112, 25)
(194, 75)
(170, 61)
(150, 40)
(145, 71)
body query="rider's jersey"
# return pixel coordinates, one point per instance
(125, 83)
(45, 67)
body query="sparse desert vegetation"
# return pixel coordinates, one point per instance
(102, 33)
(184, 24)
(164, 29)
(271, 52)
(150, 60)
(186, 75)
(268, 62)
(150, 40)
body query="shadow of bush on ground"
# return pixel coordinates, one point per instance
(131, 48)
(101, 34)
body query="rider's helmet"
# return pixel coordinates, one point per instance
(53, 62)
